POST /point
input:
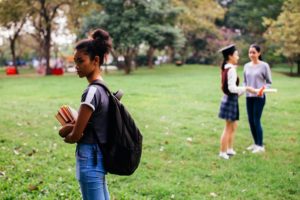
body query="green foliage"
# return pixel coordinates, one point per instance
(180, 103)
(13, 17)
(197, 22)
(284, 32)
(160, 30)
(142, 60)
(12, 12)
(247, 16)
(131, 23)
(160, 36)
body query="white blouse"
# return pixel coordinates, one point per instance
(232, 77)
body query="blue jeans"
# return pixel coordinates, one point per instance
(90, 172)
(255, 106)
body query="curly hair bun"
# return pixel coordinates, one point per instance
(100, 34)
(102, 40)
(99, 44)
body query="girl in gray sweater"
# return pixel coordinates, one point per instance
(256, 74)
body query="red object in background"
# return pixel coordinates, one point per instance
(11, 70)
(57, 71)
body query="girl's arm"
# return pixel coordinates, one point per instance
(268, 76)
(84, 115)
(232, 77)
(245, 77)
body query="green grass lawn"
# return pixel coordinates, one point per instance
(176, 109)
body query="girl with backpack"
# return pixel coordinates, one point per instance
(89, 55)
(229, 109)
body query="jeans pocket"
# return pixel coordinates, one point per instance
(84, 151)
(83, 154)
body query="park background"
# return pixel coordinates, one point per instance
(165, 59)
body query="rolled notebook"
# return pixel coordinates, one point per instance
(267, 90)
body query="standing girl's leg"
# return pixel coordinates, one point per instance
(258, 109)
(230, 150)
(94, 189)
(250, 113)
(90, 172)
(224, 139)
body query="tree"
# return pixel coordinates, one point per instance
(285, 31)
(43, 21)
(120, 19)
(198, 24)
(45, 12)
(133, 22)
(13, 16)
(159, 36)
(247, 16)
(161, 31)
(77, 11)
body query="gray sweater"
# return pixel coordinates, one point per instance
(257, 75)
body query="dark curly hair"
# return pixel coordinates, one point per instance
(99, 44)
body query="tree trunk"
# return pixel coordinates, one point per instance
(128, 58)
(47, 49)
(171, 54)
(298, 63)
(150, 55)
(13, 53)
(128, 61)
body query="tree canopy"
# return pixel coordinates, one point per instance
(197, 21)
(247, 16)
(132, 23)
(13, 16)
(285, 31)
(189, 31)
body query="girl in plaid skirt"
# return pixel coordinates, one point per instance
(229, 109)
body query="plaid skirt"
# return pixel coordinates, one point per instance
(229, 109)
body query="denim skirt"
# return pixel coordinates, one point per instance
(229, 108)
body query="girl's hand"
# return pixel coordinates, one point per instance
(250, 89)
(261, 91)
(75, 131)
(70, 139)
(66, 129)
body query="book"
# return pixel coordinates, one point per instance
(66, 114)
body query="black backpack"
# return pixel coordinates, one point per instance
(123, 150)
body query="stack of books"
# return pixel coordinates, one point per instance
(66, 115)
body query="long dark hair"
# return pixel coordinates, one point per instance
(258, 49)
(226, 58)
(223, 64)
(99, 45)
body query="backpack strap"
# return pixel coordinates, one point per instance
(118, 94)
(102, 84)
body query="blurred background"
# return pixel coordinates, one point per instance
(41, 34)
